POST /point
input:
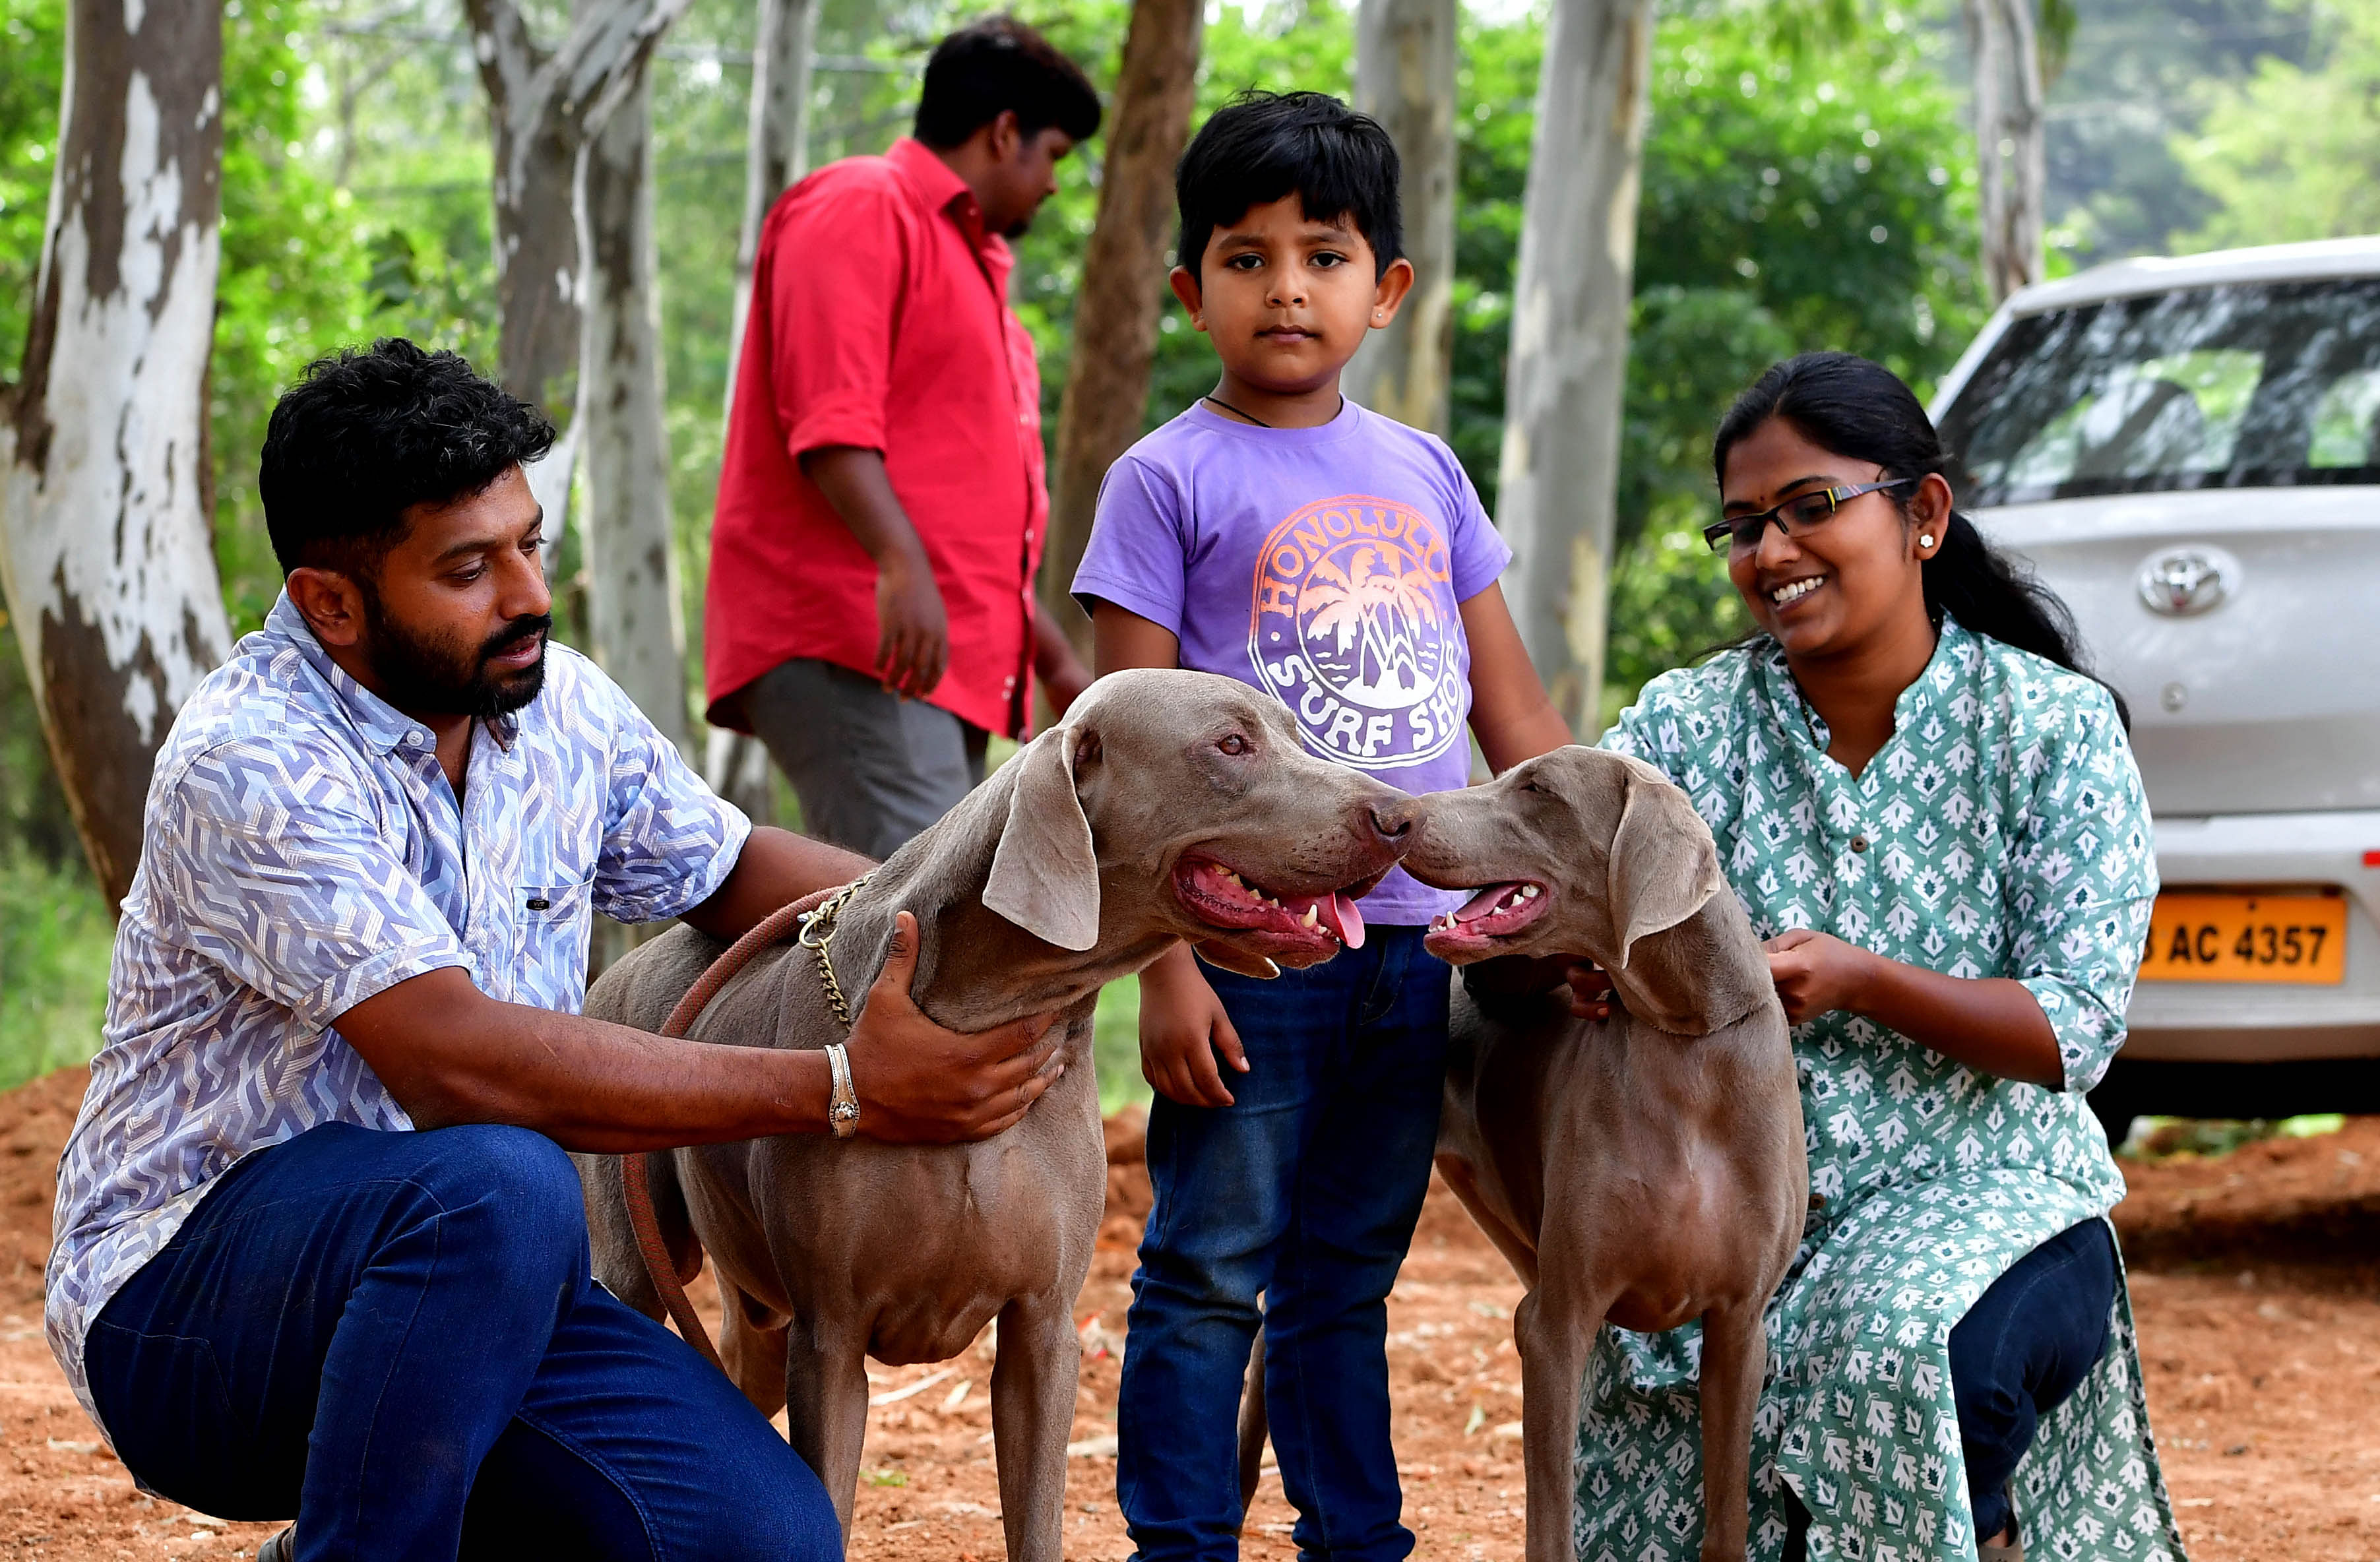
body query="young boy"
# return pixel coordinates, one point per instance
(1279, 534)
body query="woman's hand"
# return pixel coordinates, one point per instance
(1817, 973)
(1495, 984)
(1183, 1030)
(1591, 997)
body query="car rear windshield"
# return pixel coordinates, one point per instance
(2250, 386)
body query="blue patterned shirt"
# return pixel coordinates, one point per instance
(302, 852)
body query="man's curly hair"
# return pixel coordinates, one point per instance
(368, 433)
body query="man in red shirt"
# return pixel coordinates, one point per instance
(881, 502)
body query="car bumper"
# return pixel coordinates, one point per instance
(2258, 1022)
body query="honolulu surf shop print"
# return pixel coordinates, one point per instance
(1355, 629)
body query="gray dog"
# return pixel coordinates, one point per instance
(1647, 1169)
(1167, 806)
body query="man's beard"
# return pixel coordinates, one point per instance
(421, 674)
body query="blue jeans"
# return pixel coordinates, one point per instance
(1306, 1190)
(2027, 1343)
(394, 1338)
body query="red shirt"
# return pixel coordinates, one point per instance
(879, 319)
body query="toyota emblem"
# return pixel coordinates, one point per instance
(2186, 581)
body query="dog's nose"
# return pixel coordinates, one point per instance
(1394, 823)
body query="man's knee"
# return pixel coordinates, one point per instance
(513, 1187)
(794, 1522)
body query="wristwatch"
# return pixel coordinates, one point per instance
(843, 1107)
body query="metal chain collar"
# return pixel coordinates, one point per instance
(816, 932)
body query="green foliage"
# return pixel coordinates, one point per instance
(1115, 1047)
(2293, 151)
(2206, 1138)
(54, 942)
(2138, 78)
(34, 34)
(1811, 190)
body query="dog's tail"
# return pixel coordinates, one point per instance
(1254, 1428)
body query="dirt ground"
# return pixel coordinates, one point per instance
(2257, 1277)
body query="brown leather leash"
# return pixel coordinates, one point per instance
(637, 1171)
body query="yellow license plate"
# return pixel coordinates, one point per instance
(2203, 937)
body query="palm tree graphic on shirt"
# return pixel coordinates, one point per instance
(1379, 606)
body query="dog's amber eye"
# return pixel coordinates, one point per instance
(1234, 744)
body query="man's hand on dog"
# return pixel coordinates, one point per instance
(918, 1084)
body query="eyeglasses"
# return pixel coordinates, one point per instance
(1794, 516)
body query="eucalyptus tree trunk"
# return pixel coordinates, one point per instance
(2011, 141)
(777, 142)
(1124, 284)
(105, 550)
(1405, 79)
(542, 105)
(776, 152)
(632, 598)
(1568, 368)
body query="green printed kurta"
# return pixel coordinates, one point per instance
(2002, 832)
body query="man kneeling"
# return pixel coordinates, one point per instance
(320, 1251)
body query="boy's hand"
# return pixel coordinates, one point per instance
(1182, 1026)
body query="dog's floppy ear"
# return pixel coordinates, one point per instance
(1045, 877)
(1663, 865)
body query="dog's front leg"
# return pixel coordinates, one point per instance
(1033, 1386)
(1735, 1358)
(1554, 1336)
(826, 1410)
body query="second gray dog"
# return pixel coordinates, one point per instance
(1646, 1170)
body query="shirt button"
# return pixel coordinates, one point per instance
(1817, 1202)
(1859, 842)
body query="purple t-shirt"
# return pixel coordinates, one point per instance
(1323, 565)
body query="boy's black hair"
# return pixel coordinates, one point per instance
(996, 64)
(1262, 146)
(370, 430)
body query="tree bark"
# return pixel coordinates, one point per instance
(542, 105)
(1568, 368)
(1124, 284)
(1405, 79)
(777, 143)
(105, 551)
(633, 605)
(2010, 142)
(776, 152)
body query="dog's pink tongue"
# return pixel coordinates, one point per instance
(1481, 903)
(1345, 919)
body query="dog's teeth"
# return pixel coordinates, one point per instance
(1231, 878)
(1313, 915)
(1528, 891)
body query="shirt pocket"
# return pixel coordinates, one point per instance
(553, 922)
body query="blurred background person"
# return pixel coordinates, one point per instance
(882, 502)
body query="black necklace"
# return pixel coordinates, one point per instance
(1235, 412)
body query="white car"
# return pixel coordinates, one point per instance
(2188, 453)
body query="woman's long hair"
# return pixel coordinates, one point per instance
(1842, 402)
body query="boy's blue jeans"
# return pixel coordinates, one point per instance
(394, 1338)
(1306, 1191)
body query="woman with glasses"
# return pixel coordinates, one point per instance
(1930, 809)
